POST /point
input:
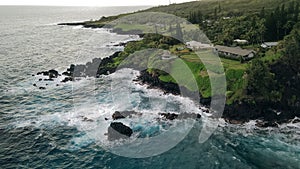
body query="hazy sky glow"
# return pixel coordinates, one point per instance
(90, 2)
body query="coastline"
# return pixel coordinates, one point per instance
(238, 112)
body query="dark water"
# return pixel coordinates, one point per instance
(45, 128)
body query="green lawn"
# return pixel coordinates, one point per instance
(234, 72)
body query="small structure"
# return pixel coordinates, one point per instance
(235, 53)
(194, 45)
(167, 56)
(269, 44)
(240, 41)
(180, 48)
(226, 18)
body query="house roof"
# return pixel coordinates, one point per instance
(167, 55)
(240, 41)
(271, 43)
(236, 50)
(198, 44)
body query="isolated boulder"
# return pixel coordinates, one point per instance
(53, 73)
(118, 130)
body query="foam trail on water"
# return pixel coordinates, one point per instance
(95, 99)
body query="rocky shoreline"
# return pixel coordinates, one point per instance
(107, 26)
(242, 111)
(118, 130)
(237, 112)
(266, 114)
(83, 24)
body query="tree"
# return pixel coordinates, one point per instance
(292, 49)
(260, 80)
(291, 9)
(215, 14)
(271, 27)
(296, 15)
(262, 13)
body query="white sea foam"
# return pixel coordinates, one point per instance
(88, 115)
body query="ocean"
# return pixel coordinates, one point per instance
(48, 128)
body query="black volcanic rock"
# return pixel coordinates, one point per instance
(66, 79)
(172, 116)
(118, 130)
(67, 73)
(72, 24)
(123, 114)
(168, 87)
(154, 81)
(53, 73)
(48, 79)
(189, 116)
(79, 71)
(44, 73)
(169, 116)
(71, 69)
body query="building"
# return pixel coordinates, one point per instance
(166, 55)
(194, 45)
(226, 18)
(240, 41)
(269, 44)
(235, 53)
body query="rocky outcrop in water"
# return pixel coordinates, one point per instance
(118, 130)
(51, 73)
(173, 116)
(123, 114)
(95, 68)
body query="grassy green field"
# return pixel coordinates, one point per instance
(197, 66)
(234, 72)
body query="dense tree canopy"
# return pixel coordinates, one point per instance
(255, 27)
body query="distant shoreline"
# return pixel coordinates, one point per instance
(240, 109)
(234, 113)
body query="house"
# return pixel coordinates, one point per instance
(226, 18)
(235, 53)
(240, 41)
(167, 56)
(180, 48)
(194, 45)
(269, 44)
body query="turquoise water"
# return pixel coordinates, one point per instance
(45, 128)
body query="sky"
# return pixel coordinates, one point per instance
(90, 2)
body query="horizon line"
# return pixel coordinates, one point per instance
(83, 5)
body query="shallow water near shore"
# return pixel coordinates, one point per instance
(46, 128)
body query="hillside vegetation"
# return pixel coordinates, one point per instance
(264, 86)
(225, 7)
